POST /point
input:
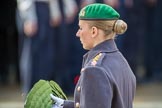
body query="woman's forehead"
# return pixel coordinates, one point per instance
(83, 22)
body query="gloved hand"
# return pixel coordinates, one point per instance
(59, 101)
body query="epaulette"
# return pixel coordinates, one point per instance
(97, 59)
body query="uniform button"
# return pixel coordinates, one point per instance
(77, 105)
(78, 88)
(82, 69)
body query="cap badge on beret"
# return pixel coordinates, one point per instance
(82, 13)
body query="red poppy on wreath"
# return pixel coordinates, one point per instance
(76, 79)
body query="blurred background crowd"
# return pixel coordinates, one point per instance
(38, 40)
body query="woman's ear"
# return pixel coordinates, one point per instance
(94, 31)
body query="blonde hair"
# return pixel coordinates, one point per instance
(110, 26)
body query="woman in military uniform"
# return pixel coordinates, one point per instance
(106, 79)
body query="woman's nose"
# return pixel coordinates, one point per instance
(77, 33)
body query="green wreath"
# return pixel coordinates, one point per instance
(39, 95)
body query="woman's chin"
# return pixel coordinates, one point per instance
(86, 48)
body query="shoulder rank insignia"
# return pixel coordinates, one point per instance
(95, 59)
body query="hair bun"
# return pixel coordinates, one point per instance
(120, 27)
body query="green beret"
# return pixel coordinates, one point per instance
(98, 11)
(39, 95)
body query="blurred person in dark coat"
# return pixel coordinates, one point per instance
(35, 22)
(131, 44)
(153, 50)
(8, 43)
(67, 48)
(106, 79)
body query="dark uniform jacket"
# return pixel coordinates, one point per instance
(106, 80)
